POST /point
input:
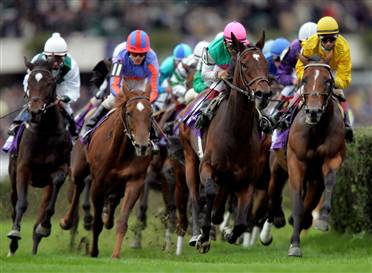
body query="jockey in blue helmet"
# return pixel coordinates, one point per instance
(273, 58)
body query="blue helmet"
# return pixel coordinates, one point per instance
(267, 47)
(181, 51)
(278, 46)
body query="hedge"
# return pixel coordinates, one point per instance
(352, 200)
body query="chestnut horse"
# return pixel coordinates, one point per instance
(232, 146)
(42, 159)
(316, 149)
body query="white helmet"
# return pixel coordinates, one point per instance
(55, 45)
(306, 30)
(198, 49)
(218, 35)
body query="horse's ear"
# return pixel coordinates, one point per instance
(28, 64)
(261, 42)
(148, 90)
(125, 90)
(236, 44)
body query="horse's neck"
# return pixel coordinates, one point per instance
(240, 113)
(51, 122)
(120, 139)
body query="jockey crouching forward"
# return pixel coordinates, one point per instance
(216, 63)
(334, 49)
(137, 64)
(66, 71)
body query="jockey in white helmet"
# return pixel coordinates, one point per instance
(68, 83)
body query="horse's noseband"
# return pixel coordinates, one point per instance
(327, 94)
(124, 120)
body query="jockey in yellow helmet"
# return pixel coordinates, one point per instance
(333, 47)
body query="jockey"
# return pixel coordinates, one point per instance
(216, 60)
(178, 79)
(332, 46)
(199, 84)
(68, 84)
(285, 74)
(167, 69)
(135, 62)
(267, 47)
(273, 58)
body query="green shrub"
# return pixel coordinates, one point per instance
(352, 201)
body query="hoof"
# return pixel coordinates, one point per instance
(42, 231)
(65, 225)
(294, 251)
(279, 222)
(203, 247)
(267, 243)
(14, 234)
(88, 220)
(136, 245)
(194, 239)
(321, 225)
(107, 220)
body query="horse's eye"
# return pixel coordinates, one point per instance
(244, 66)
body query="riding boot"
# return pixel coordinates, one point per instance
(72, 126)
(349, 134)
(97, 115)
(204, 116)
(23, 115)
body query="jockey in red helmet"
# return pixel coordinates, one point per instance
(135, 62)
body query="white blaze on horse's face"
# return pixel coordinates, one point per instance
(256, 57)
(140, 106)
(316, 75)
(38, 77)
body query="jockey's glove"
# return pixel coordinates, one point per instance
(266, 125)
(64, 99)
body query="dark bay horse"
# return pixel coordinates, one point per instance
(231, 146)
(316, 149)
(42, 159)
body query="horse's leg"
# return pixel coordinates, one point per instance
(257, 213)
(192, 180)
(313, 194)
(329, 184)
(168, 190)
(88, 218)
(13, 199)
(296, 171)
(45, 199)
(77, 179)
(132, 192)
(182, 196)
(244, 198)
(44, 227)
(97, 201)
(23, 177)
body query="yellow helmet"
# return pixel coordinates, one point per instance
(327, 25)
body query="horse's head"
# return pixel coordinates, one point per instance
(251, 72)
(136, 115)
(316, 89)
(41, 87)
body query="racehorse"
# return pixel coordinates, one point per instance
(231, 146)
(316, 149)
(118, 156)
(42, 159)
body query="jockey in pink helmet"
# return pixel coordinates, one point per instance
(216, 60)
(238, 30)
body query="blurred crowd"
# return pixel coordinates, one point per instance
(191, 20)
(196, 18)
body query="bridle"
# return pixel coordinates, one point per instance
(248, 91)
(50, 100)
(327, 93)
(127, 130)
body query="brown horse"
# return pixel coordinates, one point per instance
(42, 159)
(316, 149)
(232, 146)
(118, 156)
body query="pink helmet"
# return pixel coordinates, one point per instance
(238, 30)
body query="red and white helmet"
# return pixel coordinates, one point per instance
(239, 31)
(55, 45)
